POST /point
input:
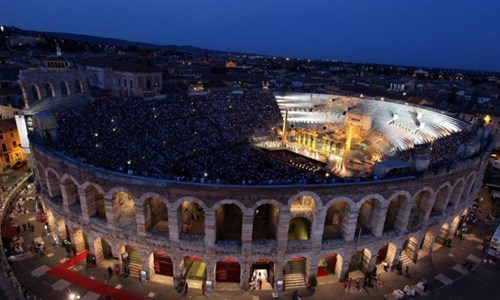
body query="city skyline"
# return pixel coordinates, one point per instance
(441, 34)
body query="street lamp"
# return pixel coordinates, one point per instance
(74, 296)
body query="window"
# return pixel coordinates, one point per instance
(1, 136)
(12, 134)
(64, 89)
(49, 90)
(14, 144)
(4, 148)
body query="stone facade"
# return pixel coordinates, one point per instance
(382, 214)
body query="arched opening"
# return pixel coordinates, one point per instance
(53, 186)
(35, 92)
(329, 265)
(265, 222)
(441, 198)
(62, 229)
(299, 229)
(49, 90)
(469, 188)
(442, 236)
(456, 194)
(386, 255)
(80, 240)
(394, 213)
(132, 257)
(192, 221)
(194, 270)
(409, 252)
(163, 264)
(229, 222)
(148, 84)
(295, 273)
(72, 196)
(156, 216)
(103, 250)
(334, 220)
(266, 269)
(366, 223)
(78, 86)
(124, 211)
(421, 206)
(228, 270)
(95, 203)
(360, 262)
(428, 241)
(64, 88)
(454, 226)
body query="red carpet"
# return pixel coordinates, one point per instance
(62, 272)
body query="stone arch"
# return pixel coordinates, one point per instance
(64, 88)
(96, 186)
(409, 250)
(123, 209)
(228, 220)
(41, 176)
(228, 269)
(78, 86)
(335, 218)
(162, 263)
(368, 214)
(458, 189)
(422, 203)
(53, 185)
(71, 196)
(317, 199)
(266, 217)
(181, 200)
(49, 90)
(360, 260)
(469, 184)
(154, 210)
(111, 193)
(102, 249)
(443, 234)
(330, 264)
(398, 206)
(442, 198)
(190, 217)
(35, 93)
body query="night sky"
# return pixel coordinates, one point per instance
(437, 33)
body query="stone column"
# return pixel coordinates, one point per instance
(403, 216)
(64, 194)
(244, 276)
(349, 224)
(88, 204)
(96, 249)
(338, 267)
(173, 225)
(344, 268)
(53, 187)
(428, 243)
(279, 267)
(246, 233)
(111, 207)
(282, 235)
(373, 261)
(148, 265)
(317, 228)
(211, 271)
(210, 228)
(140, 219)
(378, 219)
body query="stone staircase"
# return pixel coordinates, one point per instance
(135, 263)
(294, 276)
(405, 259)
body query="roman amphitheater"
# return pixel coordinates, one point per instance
(357, 182)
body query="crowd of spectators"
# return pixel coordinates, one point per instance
(188, 138)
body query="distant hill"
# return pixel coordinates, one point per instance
(117, 42)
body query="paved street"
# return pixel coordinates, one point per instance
(443, 270)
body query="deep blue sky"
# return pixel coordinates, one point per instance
(439, 33)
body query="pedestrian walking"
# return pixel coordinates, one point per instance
(24, 226)
(110, 273)
(185, 288)
(407, 271)
(32, 228)
(349, 286)
(357, 285)
(18, 229)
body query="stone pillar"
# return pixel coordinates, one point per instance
(349, 224)
(373, 261)
(338, 267)
(96, 249)
(111, 210)
(246, 233)
(87, 203)
(282, 235)
(140, 219)
(173, 225)
(428, 243)
(64, 194)
(211, 271)
(317, 228)
(53, 187)
(148, 264)
(210, 228)
(392, 257)
(76, 236)
(403, 216)
(344, 268)
(378, 219)
(244, 284)
(279, 267)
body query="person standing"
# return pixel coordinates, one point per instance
(346, 286)
(357, 285)
(185, 288)
(407, 271)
